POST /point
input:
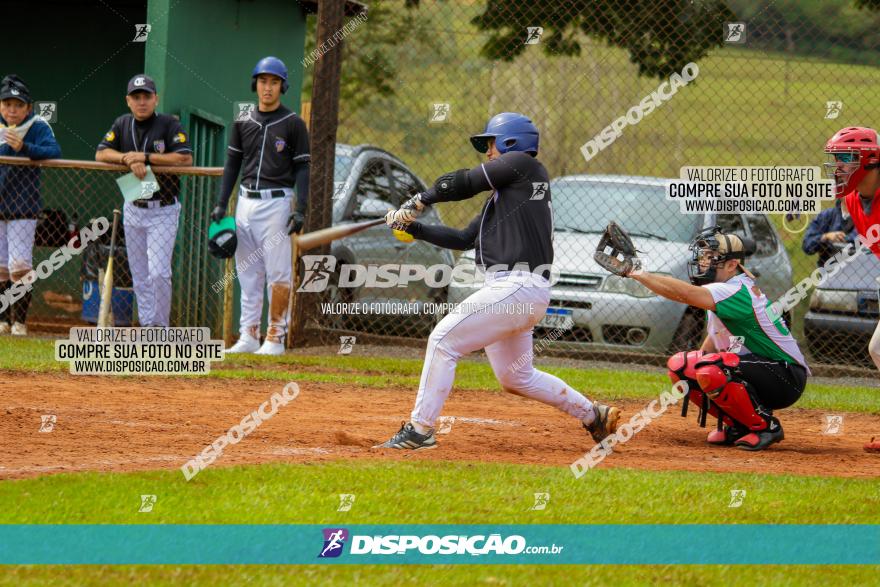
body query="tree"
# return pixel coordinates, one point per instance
(662, 36)
(369, 69)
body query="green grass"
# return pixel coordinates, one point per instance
(431, 492)
(445, 493)
(448, 575)
(37, 355)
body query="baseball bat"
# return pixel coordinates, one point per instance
(310, 240)
(107, 294)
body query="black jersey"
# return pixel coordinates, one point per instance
(271, 144)
(515, 225)
(161, 133)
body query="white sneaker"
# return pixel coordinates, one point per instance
(19, 329)
(4, 328)
(246, 344)
(271, 348)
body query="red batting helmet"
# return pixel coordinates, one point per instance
(852, 152)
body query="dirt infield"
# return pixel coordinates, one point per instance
(110, 424)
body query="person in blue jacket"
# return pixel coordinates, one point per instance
(22, 134)
(831, 229)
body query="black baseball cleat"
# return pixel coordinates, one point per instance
(763, 438)
(408, 438)
(605, 422)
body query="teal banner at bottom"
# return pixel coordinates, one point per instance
(440, 544)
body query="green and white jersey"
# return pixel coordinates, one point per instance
(741, 311)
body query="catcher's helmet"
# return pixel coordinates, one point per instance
(512, 132)
(222, 240)
(711, 248)
(272, 66)
(851, 153)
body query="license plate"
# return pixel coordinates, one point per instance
(558, 318)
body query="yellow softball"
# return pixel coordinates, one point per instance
(403, 236)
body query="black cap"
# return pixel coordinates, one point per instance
(141, 83)
(13, 86)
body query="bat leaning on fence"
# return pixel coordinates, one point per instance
(107, 291)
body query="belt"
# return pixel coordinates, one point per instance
(265, 194)
(153, 203)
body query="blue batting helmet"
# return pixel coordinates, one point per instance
(512, 132)
(272, 66)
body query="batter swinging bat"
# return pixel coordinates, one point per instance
(310, 240)
(107, 293)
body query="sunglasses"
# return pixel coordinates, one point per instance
(845, 157)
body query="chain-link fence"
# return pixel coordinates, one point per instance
(625, 94)
(55, 229)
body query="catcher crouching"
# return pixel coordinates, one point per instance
(749, 364)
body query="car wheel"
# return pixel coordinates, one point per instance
(689, 334)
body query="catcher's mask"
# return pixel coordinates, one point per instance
(851, 153)
(711, 248)
(222, 240)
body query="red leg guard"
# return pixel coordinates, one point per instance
(683, 365)
(731, 396)
(696, 396)
(713, 371)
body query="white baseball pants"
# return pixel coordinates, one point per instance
(499, 318)
(16, 247)
(149, 242)
(262, 257)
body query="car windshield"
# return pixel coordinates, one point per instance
(642, 210)
(342, 167)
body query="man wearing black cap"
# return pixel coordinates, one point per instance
(22, 134)
(137, 140)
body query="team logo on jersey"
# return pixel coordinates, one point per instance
(159, 146)
(180, 138)
(279, 145)
(110, 136)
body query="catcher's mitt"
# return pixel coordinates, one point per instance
(616, 252)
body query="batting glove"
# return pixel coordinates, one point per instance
(395, 224)
(295, 222)
(409, 211)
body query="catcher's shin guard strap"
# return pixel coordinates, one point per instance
(737, 402)
(706, 406)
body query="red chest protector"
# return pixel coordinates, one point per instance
(863, 221)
